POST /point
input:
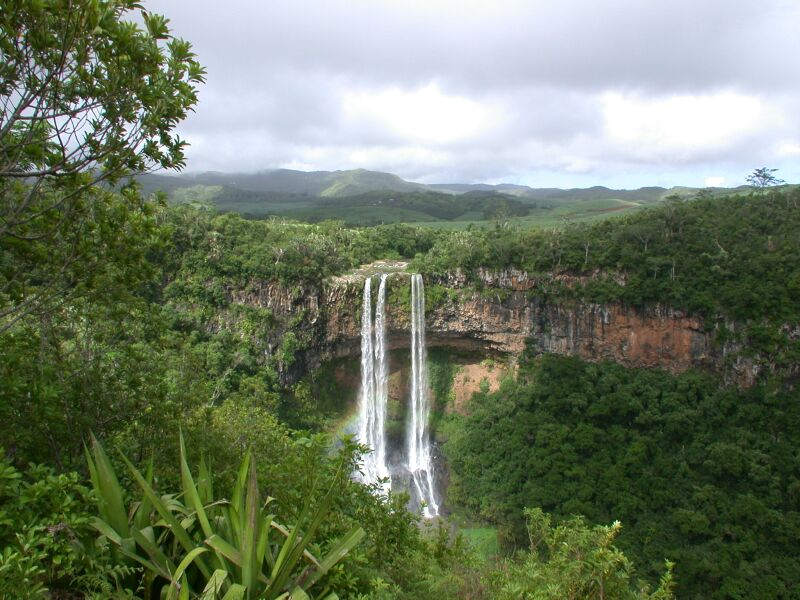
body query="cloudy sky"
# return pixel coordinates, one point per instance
(566, 93)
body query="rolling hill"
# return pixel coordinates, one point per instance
(326, 184)
(362, 197)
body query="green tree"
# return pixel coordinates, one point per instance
(573, 560)
(86, 97)
(763, 177)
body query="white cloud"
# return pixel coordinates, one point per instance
(714, 181)
(788, 149)
(576, 92)
(684, 125)
(424, 114)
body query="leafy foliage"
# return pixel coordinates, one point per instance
(735, 256)
(703, 475)
(86, 97)
(46, 539)
(573, 560)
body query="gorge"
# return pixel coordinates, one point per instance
(498, 317)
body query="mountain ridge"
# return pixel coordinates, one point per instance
(351, 182)
(364, 197)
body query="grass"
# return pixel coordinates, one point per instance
(484, 540)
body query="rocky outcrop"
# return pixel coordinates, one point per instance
(656, 337)
(505, 316)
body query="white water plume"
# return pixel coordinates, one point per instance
(374, 386)
(418, 444)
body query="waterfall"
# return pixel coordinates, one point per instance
(374, 396)
(374, 386)
(381, 381)
(418, 447)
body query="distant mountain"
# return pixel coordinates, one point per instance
(461, 188)
(340, 184)
(323, 184)
(367, 197)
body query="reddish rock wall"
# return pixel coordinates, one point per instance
(502, 321)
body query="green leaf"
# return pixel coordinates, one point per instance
(250, 569)
(204, 483)
(177, 530)
(335, 554)
(235, 592)
(192, 495)
(124, 547)
(226, 549)
(263, 550)
(286, 533)
(109, 492)
(299, 594)
(105, 529)
(141, 516)
(145, 539)
(214, 585)
(184, 564)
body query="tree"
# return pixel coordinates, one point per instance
(86, 97)
(763, 177)
(573, 560)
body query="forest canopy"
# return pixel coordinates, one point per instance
(86, 96)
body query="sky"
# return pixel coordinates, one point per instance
(567, 93)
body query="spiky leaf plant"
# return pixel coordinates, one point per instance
(195, 547)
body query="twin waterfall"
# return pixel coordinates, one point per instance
(417, 466)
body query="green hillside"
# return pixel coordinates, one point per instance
(362, 197)
(359, 181)
(288, 181)
(174, 333)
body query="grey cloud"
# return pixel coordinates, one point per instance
(276, 71)
(573, 42)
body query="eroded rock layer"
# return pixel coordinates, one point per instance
(503, 317)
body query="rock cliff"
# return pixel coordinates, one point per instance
(507, 314)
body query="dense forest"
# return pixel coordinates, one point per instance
(704, 475)
(153, 445)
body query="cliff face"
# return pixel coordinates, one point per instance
(505, 315)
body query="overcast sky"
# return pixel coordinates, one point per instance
(566, 93)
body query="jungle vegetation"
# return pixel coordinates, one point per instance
(701, 474)
(150, 445)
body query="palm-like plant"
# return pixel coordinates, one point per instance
(193, 546)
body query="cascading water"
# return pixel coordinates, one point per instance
(418, 445)
(374, 386)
